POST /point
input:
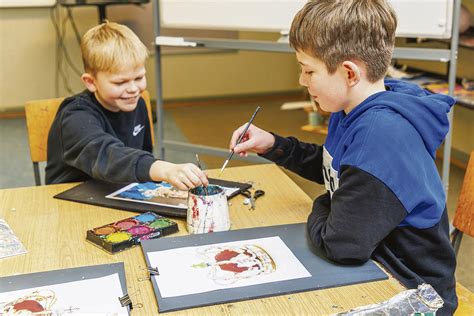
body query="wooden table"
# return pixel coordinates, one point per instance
(54, 233)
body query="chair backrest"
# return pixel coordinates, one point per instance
(464, 215)
(39, 117)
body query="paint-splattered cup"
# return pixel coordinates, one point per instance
(207, 210)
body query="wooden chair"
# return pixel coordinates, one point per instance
(464, 215)
(39, 117)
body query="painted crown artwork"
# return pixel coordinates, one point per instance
(229, 264)
(36, 302)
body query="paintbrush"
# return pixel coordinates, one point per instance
(240, 139)
(200, 167)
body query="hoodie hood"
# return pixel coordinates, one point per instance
(393, 135)
(427, 112)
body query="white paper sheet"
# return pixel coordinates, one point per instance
(97, 296)
(187, 270)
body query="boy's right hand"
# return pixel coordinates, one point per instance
(182, 176)
(255, 139)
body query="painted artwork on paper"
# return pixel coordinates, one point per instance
(10, 245)
(98, 296)
(161, 193)
(229, 264)
(192, 270)
(34, 302)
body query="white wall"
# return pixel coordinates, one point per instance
(28, 59)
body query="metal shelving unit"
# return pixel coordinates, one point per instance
(441, 55)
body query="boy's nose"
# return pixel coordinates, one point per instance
(132, 87)
(302, 80)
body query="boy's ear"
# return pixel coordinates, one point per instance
(352, 72)
(89, 82)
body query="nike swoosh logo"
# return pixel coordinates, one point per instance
(138, 129)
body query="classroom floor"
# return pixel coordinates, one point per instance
(212, 124)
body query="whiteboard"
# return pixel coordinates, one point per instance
(416, 18)
(26, 3)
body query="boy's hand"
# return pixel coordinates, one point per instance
(256, 140)
(181, 176)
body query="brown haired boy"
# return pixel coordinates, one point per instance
(384, 196)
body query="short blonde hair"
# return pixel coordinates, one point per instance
(111, 47)
(338, 30)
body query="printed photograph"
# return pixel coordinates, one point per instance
(161, 193)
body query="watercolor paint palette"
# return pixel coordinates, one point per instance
(130, 231)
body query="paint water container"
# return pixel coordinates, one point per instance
(208, 210)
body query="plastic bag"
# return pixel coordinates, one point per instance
(424, 299)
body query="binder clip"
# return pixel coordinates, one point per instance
(149, 271)
(153, 271)
(127, 301)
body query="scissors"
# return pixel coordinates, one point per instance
(251, 199)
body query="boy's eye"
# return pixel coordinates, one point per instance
(309, 72)
(139, 78)
(119, 83)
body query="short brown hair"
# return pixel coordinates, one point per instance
(338, 30)
(111, 47)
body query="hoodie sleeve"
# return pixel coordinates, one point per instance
(362, 212)
(86, 146)
(302, 158)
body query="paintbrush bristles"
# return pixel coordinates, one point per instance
(223, 167)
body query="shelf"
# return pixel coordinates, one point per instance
(433, 54)
(464, 98)
(252, 45)
(317, 129)
(465, 41)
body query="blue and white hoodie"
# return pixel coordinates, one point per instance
(384, 197)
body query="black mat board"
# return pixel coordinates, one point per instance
(29, 280)
(94, 191)
(324, 273)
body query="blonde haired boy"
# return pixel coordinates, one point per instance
(384, 197)
(104, 132)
